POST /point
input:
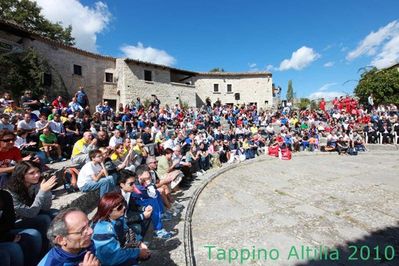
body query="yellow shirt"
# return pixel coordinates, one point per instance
(79, 147)
(254, 130)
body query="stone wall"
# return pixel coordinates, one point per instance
(131, 84)
(128, 77)
(252, 88)
(63, 60)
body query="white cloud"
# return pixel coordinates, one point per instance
(148, 54)
(327, 85)
(270, 68)
(86, 21)
(329, 64)
(300, 59)
(253, 67)
(328, 47)
(382, 45)
(389, 54)
(323, 92)
(327, 95)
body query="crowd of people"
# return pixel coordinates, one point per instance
(137, 156)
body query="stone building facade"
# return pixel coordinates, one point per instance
(121, 80)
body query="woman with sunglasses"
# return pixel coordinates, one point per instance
(32, 198)
(110, 229)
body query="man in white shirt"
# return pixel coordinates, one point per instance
(28, 125)
(115, 139)
(93, 175)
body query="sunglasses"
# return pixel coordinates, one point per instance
(120, 207)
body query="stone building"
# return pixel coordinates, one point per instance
(122, 80)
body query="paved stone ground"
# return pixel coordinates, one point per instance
(313, 200)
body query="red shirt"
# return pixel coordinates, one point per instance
(322, 106)
(7, 157)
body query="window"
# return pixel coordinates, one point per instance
(147, 75)
(77, 70)
(215, 87)
(229, 88)
(109, 77)
(46, 79)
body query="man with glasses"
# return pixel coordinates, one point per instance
(70, 233)
(93, 175)
(9, 155)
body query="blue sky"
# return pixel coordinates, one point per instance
(319, 45)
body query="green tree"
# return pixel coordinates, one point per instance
(27, 14)
(290, 92)
(25, 70)
(216, 69)
(383, 84)
(303, 103)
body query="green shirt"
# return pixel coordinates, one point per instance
(48, 139)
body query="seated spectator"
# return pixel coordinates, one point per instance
(146, 194)
(121, 159)
(74, 106)
(59, 103)
(93, 175)
(5, 100)
(140, 150)
(109, 236)
(32, 198)
(49, 143)
(5, 123)
(27, 100)
(116, 139)
(21, 143)
(102, 139)
(29, 126)
(163, 185)
(72, 132)
(181, 162)
(22, 246)
(70, 233)
(9, 156)
(386, 133)
(342, 145)
(81, 149)
(42, 123)
(135, 215)
(214, 150)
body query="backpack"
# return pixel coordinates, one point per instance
(285, 154)
(352, 151)
(70, 179)
(273, 151)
